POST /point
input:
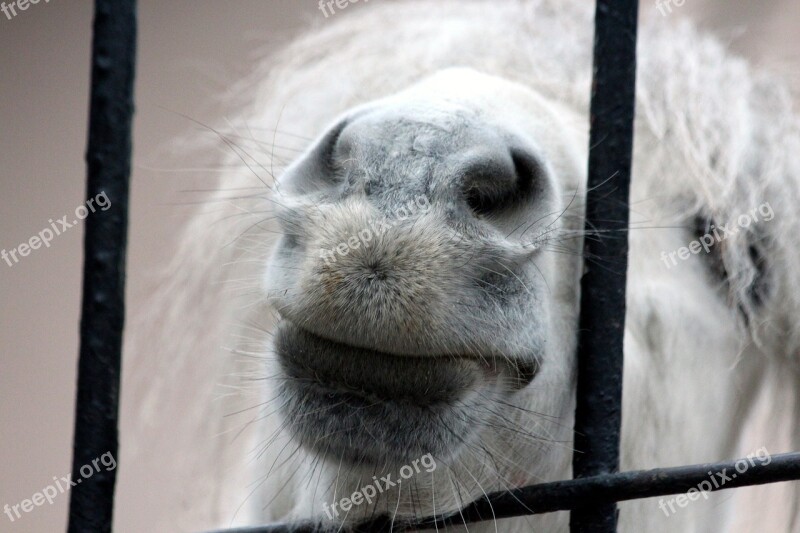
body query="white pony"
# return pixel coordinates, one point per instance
(387, 306)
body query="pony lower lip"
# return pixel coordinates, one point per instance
(520, 373)
(492, 366)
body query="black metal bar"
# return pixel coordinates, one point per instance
(108, 161)
(598, 414)
(605, 489)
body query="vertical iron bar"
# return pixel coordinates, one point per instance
(108, 161)
(598, 414)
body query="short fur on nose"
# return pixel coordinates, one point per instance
(368, 274)
(358, 246)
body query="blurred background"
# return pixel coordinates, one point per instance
(189, 52)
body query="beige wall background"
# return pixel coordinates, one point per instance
(189, 51)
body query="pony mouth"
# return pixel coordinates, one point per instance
(361, 405)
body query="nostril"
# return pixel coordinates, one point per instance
(480, 203)
(488, 181)
(495, 184)
(528, 168)
(320, 168)
(329, 144)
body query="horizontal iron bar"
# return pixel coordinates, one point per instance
(573, 493)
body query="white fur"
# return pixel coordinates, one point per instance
(700, 383)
